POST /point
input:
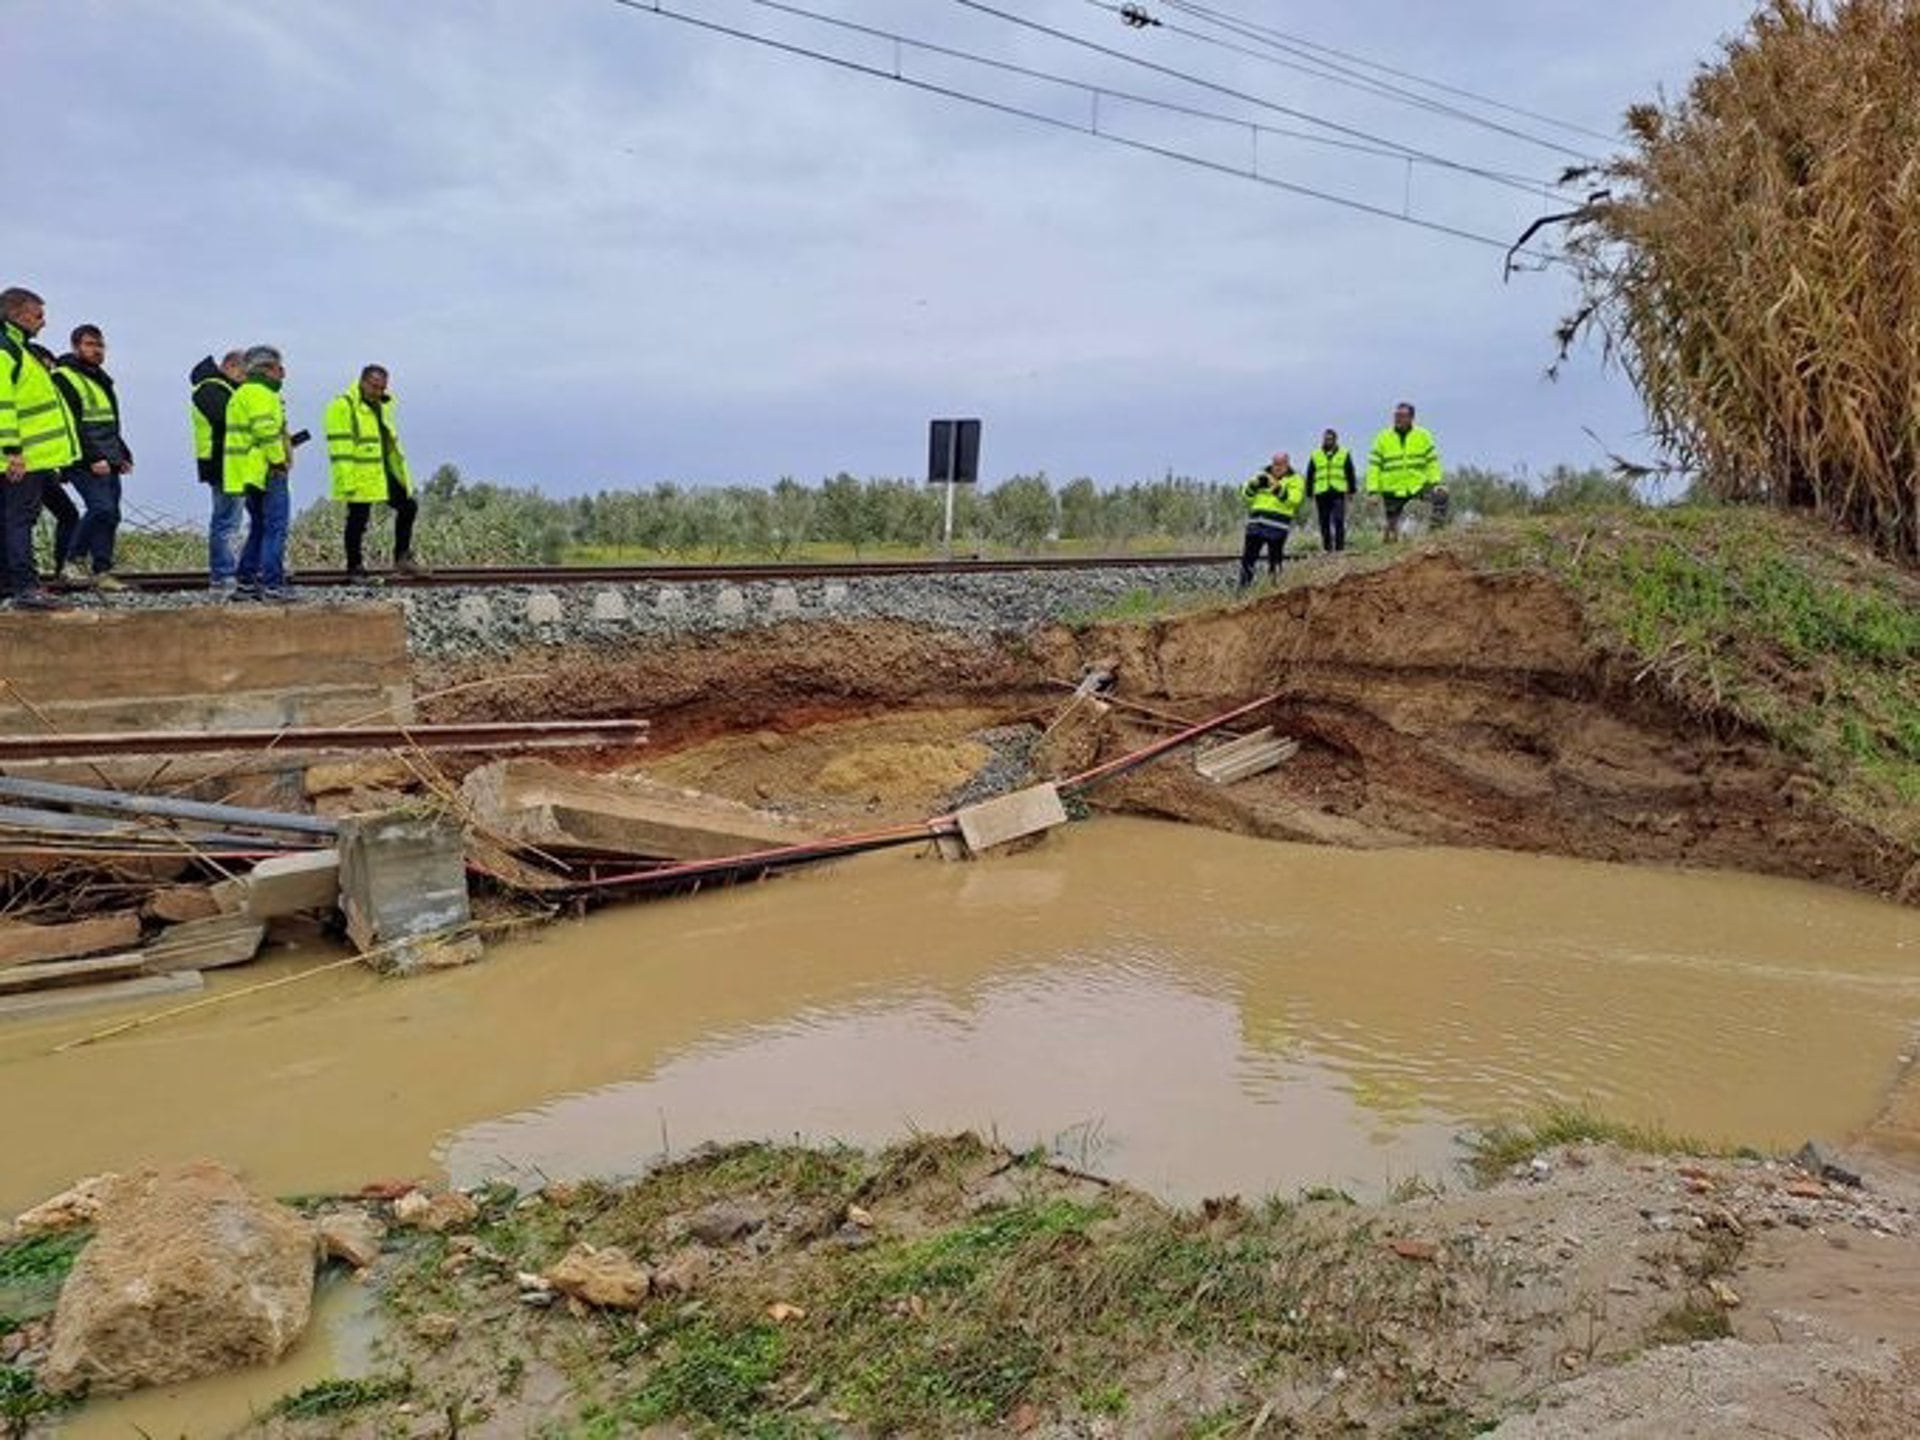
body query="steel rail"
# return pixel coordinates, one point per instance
(489, 735)
(458, 575)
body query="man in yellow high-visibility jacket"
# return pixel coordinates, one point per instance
(1404, 466)
(369, 467)
(1273, 497)
(38, 441)
(259, 465)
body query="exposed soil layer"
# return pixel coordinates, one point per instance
(1435, 705)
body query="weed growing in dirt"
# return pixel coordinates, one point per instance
(1495, 1151)
(45, 1258)
(340, 1397)
(1690, 1322)
(22, 1402)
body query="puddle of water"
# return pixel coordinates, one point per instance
(338, 1343)
(1196, 1012)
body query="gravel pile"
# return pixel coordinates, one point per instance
(1009, 768)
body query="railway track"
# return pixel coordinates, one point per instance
(547, 575)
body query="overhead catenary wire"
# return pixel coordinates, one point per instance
(1108, 92)
(1411, 152)
(1303, 43)
(1299, 60)
(1404, 217)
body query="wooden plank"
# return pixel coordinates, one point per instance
(23, 944)
(144, 987)
(1011, 817)
(55, 974)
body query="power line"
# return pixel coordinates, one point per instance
(1191, 7)
(1306, 63)
(1526, 187)
(657, 8)
(990, 62)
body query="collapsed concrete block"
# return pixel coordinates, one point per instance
(1011, 817)
(211, 944)
(289, 884)
(403, 880)
(541, 804)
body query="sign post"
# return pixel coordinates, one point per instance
(953, 458)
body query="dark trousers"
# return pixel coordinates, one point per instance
(1332, 506)
(101, 524)
(1268, 535)
(19, 510)
(66, 520)
(405, 509)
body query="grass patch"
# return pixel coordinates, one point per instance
(340, 1397)
(44, 1258)
(1496, 1150)
(1804, 637)
(23, 1402)
(1691, 1322)
(718, 1375)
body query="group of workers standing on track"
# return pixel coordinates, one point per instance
(1403, 466)
(60, 426)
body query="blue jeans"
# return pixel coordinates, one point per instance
(223, 530)
(98, 527)
(263, 560)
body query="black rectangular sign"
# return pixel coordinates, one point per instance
(953, 454)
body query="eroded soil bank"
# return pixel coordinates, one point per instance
(1436, 703)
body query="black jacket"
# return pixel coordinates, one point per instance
(99, 439)
(210, 399)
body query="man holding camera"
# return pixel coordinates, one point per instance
(1273, 496)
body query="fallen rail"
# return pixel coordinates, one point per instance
(478, 735)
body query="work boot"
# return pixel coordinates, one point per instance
(39, 600)
(73, 573)
(279, 595)
(407, 565)
(109, 583)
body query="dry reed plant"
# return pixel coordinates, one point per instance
(1756, 266)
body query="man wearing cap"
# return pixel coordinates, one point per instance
(369, 467)
(1272, 496)
(259, 459)
(37, 442)
(213, 385)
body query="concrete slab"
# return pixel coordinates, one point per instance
(213, 944)
(610, 608)
(1246, 757)
(289, 884)
(544, 608)
(541, 804)
(115, 992)
(1011, 817)
(730, 602)
(24, 944)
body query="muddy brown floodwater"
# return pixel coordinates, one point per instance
(1192, 1011)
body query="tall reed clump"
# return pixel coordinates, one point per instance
(1755, 265)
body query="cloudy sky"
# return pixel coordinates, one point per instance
(602, 248)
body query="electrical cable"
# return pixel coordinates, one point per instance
(1205, 12)
(1308, 64)
(1411, 152)
(659, 9)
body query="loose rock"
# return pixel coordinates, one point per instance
(602, 1277)
(69, 1210)
(725, 1222)
(352, 1236)
(188, 1275)
(437, 1213)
